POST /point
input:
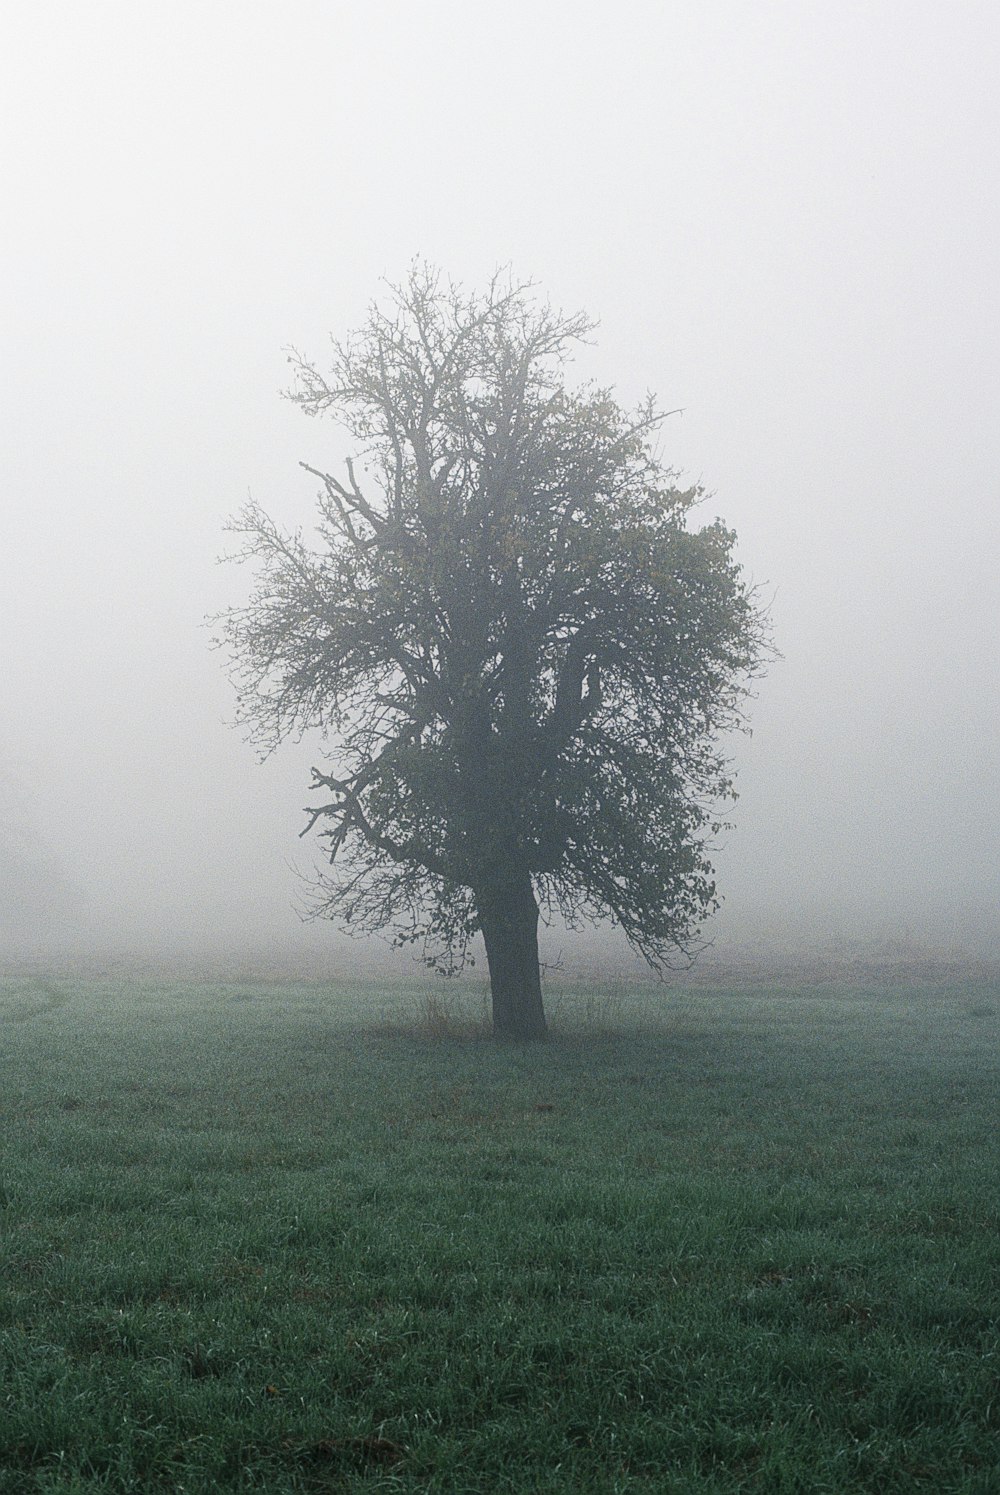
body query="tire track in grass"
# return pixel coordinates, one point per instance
(21, 1011)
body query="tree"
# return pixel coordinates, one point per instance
(522, 654)
(36, 895)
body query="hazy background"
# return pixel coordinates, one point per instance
(785, 216)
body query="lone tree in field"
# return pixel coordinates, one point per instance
(521, 654)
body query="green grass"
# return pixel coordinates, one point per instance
(264, 1238)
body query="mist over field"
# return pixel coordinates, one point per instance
(785, 218)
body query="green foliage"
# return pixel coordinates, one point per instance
(523, 651)
(252, 1240)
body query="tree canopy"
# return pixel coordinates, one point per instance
(522, 652)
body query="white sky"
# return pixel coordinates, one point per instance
(785, 216)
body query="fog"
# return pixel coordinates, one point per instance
(784, 216)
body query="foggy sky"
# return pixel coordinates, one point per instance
(784, 216)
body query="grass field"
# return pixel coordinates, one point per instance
(291, 1237)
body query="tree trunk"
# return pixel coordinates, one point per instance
(508, 916)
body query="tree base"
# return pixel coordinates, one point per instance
(509, 920)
